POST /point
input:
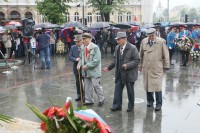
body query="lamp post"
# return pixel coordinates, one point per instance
(168, 10)
(83, 19)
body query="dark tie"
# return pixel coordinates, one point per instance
(150, 43)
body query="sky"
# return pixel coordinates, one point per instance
(173, 3)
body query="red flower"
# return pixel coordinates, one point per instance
(60, 112)
(43, 126)
(54, 111)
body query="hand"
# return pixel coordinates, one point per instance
(106, 69)
(140, 69)
(84, 67)
(124, 66)
(78, 67)
(78, 59)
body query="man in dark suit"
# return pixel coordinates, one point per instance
(74, 56)
(126, 60)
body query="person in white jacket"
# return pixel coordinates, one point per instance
(33, 44)
(6, 38)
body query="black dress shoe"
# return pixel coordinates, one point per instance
(149, 104)
(88, 103)
(129, 109)
(157, 108)
(78, 99)
(115, 109)
(101, 103)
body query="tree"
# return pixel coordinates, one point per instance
(183, 12)
(105, 7)
(165, 14)
(193, 15)
(53, 10)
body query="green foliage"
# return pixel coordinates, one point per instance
(53, 10)
(105, 7)
(69, 124)
(5, 118)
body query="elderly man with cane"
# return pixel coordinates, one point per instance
(91, 70)
(74, 56)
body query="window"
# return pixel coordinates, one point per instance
(98, 17)
(67, 17)
(2, 16)
(119, 17)
(15, 15)
(28, 15)
(76, 16)
(89, 17)
(128, 17)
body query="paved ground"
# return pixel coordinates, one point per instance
(181, 92)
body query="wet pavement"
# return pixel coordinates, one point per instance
(181, 92)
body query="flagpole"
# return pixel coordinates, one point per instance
(83, 19)
(168, 10)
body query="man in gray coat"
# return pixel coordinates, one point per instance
(91, 70)
(126, 60)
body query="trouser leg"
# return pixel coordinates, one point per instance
(88, 90)
(158, 99)
(98, 88)
(150, 98)
(131, 95)
(117, 101)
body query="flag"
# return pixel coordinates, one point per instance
(135, 18)
(91, 116)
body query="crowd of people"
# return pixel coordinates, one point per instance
(150, 52)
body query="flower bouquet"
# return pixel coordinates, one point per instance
(184, 43)
(64, 119)
(195, 52)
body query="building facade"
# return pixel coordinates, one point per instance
(141, 10)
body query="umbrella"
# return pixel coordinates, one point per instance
(190, 24)
(74, 24)
(10, 27)
(177, 24)
(99, 25)
(46, 25)
(14, 23)
(133, 23)
(122, 25)
(149, 25)
(2, 29)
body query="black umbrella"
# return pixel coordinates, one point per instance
(99, 25)
(133, 23)
(177, 24)
(74, 24)
(190, 24)
(122, 25)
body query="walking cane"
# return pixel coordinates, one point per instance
(80, 81)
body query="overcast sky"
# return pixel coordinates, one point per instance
(173, 3)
